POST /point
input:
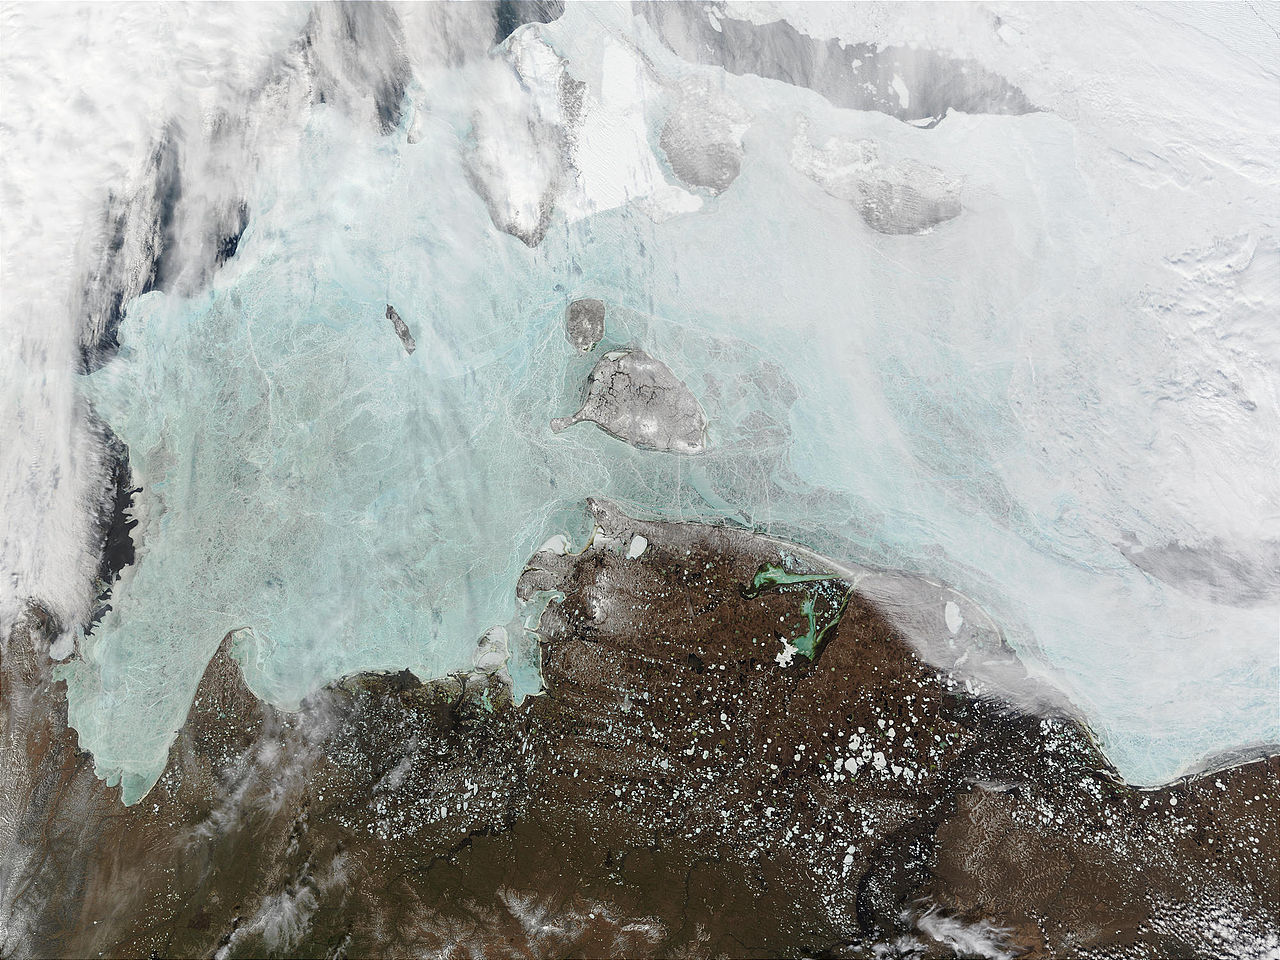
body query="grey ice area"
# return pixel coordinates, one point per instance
(859, 76)
(1213, 571)
(402, 330)
(903, 197)
(900, 205)
(584, 323)
(702, 138)
(637, 399)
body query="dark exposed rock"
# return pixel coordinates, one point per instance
(584, 324)
(636, 398)
(676, 791)
(115, 521)
(402, 329)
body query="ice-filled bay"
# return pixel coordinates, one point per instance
(982, 403)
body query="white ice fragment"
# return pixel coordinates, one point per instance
(789, 650)
(900, 88)
(601, 539)
(953, 617)
(638, 546)
(559, 544)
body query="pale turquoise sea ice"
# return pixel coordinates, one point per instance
(907, 402)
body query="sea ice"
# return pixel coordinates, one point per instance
(1061, 402)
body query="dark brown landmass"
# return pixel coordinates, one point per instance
(679, 790)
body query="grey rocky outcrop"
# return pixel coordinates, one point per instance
(584, 323)
(636, 398)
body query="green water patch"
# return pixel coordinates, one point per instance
(824, 597)
(772, 575)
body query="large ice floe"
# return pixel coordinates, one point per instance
(951, 298)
